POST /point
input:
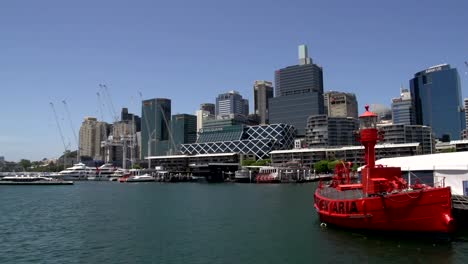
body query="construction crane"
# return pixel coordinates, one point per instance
(61, 134)
(110, 104)
(147, 131)
(73, 130)
(171, 139)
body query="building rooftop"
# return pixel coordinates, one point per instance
(379, 146)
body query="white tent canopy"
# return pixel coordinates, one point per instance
(452, 167)
(442, 161)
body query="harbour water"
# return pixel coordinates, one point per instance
(109, 222)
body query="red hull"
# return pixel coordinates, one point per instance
(426, 210)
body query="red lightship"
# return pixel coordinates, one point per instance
(383, 200)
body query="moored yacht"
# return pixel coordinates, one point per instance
(77, 172)
(103, 173)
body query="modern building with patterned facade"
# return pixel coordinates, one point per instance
(326, 131)
(263, 91)
(436, 92)
(309, 156)
(257, 140)
(298, 93)
(339, 104)
(402, 109)
(400, 133)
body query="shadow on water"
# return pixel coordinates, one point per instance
(392, 247)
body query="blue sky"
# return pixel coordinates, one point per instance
(190, 51)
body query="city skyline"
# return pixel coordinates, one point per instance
(55, 53)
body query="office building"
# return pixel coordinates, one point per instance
(155, 134)
(401, 133)
(209, 107)
(339, 104)
(203, 116)
(298, 93)
(126, 116)
(402, 109)
(327, 131)
(383, 112)
(92, 133)
(436, 93)
(263, 91)
(184, 131)
(309, 156)
(231, 103)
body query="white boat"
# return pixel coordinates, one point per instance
(77, 172)
(242, 175)
(268, 174)
(31, 180)
(140, 178)
(103, 173)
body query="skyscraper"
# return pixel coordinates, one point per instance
(402, 109)
(436, 92)
(231, 103)
(263, 91)
(92, 133)
(326, 131)
(155, 131)
(209, 107)
(126, 116)
(298, 93)
(184, 129)
(339, 104)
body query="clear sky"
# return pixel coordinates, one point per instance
(190, 51)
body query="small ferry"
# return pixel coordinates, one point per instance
(32, 180)
(268, 174)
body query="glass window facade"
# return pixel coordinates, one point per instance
(437, 100)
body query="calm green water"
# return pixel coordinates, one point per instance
(108, 222)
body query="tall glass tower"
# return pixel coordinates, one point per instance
(156, 118)
(298, 93)
(436, 94)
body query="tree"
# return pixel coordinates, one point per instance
(355, 167)
(248, 162)
(321, 166)
(25, 164)
(332, 165)
(262, 162)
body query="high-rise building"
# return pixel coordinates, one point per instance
(155, 131)
(327, 131)
(465, 103)
(231, 103)
(203, 116)
(263, 91)
(402, 133)
(339, 104)
(184, 130)
(126, 116)
(436, 93)
(402, 109)
(209, 107)
(464, 133)
(92, 133)
(298, 93)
